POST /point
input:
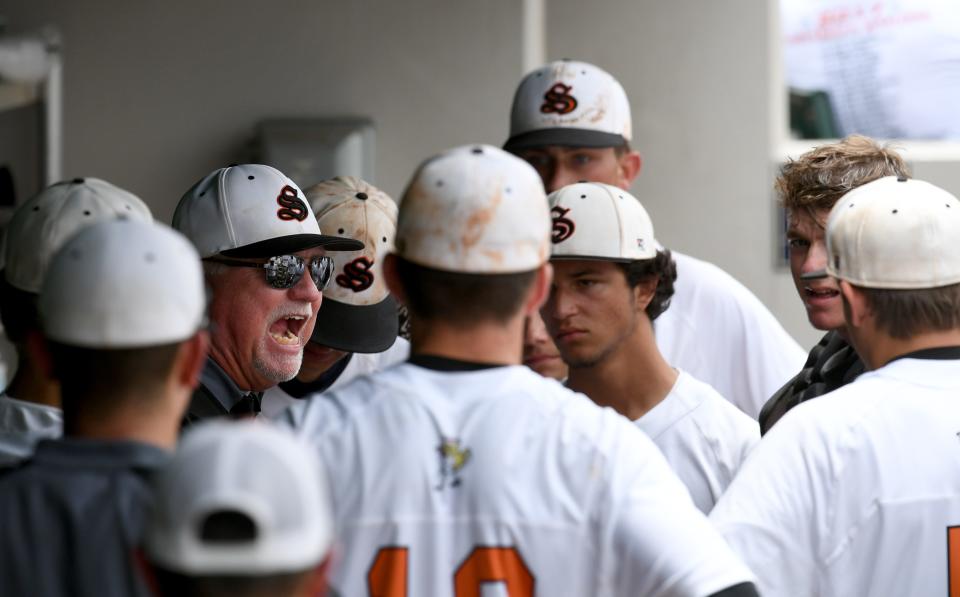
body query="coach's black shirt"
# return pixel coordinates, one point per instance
(71, 516)
(218, 396)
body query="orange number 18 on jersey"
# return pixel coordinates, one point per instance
(388, 574)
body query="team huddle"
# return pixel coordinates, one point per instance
(502, 383)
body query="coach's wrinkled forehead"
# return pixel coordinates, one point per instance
(475, 209)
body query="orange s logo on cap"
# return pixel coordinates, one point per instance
(292, 207)
(562, 227)
(557, 100)
(356, 275)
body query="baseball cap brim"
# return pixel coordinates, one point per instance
(293, 243)
(357, 328)
(569, 137)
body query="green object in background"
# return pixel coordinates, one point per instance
(811, 115)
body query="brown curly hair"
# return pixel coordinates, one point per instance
(662, 267)
(821, 176)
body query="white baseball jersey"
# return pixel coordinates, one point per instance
(720, 333)
(275, 400)
(23, 424)
(857, 492)
(704, 438)
(446, 481)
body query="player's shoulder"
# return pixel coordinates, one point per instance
(331, 409)
(716, 419)
(707, 402)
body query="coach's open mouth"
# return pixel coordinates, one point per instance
(286, 330)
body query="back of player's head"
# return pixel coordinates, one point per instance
(896, 239)
(600, 222)
(117, 299)
(569, 103)
(818, 178)
(472, 232)
(359, 314)
(37, 230)
(242, 509)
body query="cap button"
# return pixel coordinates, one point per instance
(477, 150)
(361, 196)
(78, 181)
(901, 178)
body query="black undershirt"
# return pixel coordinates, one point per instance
(437, 363)
(299, 389)
(940, 353)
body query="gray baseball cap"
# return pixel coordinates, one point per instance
(251, 210)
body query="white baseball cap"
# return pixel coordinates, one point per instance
(42, 224)
(569, 103)
(251, 211)
(258, 481)
(123, 284)
(895, 233)
(475, 209)
(592, 220)
(358, 313)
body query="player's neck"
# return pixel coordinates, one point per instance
(149, 420)
(631, 380)
(31, 385)
(880, 349)
(484, 343)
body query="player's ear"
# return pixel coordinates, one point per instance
(392, 278)
(191, 359)
(856, 309)
(315, 581)
(539, 290)
(644, 292)
(628, 168)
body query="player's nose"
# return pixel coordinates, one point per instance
(559, 177)
(816, 258)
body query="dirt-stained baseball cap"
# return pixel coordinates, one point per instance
(592, 220)
(895, 233)
(358, 313)
(569, 103)
(240, 498)
(251, 210)
(123, 284)
(475, 209)
(42, 224)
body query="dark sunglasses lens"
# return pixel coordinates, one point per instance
(284, 271)
(321, 270)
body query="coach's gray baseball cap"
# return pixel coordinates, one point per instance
(569, 103)
(47, 220)
(251, 210)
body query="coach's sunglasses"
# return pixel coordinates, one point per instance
(285, 271)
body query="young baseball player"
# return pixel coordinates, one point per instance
(122, 307)
(30, 406)
(611, 282)
(240, 510)
(571, 121)
(858, 492)
(808, 187)
(461, 470)
(357, 324)
(265, 261)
